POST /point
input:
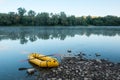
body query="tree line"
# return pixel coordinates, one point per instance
(31, 18)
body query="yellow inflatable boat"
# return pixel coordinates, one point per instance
(42, 60)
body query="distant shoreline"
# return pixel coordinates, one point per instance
(31, 18)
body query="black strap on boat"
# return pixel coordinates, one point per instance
(40, 63)
(47, 63)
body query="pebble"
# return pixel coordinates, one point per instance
(59, 69)
(86, 79)
(98, 60)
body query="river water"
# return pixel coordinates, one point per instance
(16, 43)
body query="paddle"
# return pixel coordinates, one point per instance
(20, 69)
(29, 70)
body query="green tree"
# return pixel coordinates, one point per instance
(98, 21)
(31, 17)
(54, 19)
(63, 19)
(21, 11)
(13, 18)
(31, 13)
(4, 19)
(81, 21)
(89, 20)
(111, 20)
(42, 19)
(71, 20)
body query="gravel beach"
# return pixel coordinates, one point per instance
(79, 68)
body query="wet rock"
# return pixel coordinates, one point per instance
(31, 71)
(67, 72)
(97, 54)
(59, 69)
(98, 60)
(53, 78)
(76, 71)
(69, 51)
(53, 70)
(59, 79)
(86, 78)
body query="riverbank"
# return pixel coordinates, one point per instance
(79, 68)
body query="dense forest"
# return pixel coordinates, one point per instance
(31, 18)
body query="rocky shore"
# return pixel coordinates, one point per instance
(79, 68)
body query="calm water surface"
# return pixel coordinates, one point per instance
(17, 42)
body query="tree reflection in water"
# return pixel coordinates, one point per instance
(25, 34)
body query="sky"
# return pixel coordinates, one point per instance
(70, 7)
